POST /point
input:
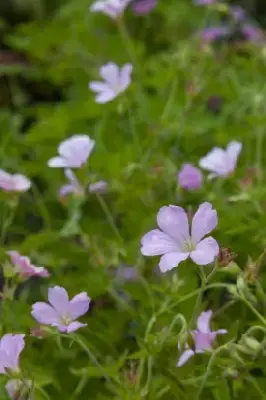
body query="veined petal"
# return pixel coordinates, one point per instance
(173, 221)
(171, 260)
(79, 305)
(156, 243)
(204, 221)
(205, 252)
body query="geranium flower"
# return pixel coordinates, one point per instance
(24, 266)
(175, 243)
(221, 162)
(10, 348)
(73, 152)
(61, 312)
(115, 82)
(190, 177)
(112, 8)
(14, 182)
(203, 338)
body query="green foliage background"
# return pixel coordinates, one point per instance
(142, 139)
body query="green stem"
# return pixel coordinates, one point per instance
(258, 315)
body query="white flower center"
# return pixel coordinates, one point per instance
(189, 246)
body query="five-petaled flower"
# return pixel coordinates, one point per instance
(175, 242)
(61, 312)
(73, 152)
(14, 182)
(190, 177)
(115, 81)
(10, 348)
(112, 8)
(24, 266)
(203, 338)
(221, 162)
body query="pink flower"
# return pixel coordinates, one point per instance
(211, 34)
(221, 162)
(174, 242)
(73, 186)
(143, 7)
(115, 81)
(190, 177)
(112, 8)
(24, 266)
(73, 152)
(203, 337)
(10, 348)
(61, 312)
(14, 182)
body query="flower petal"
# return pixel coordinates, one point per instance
(203, 321)
(58, 298)
(232, 151)
(185, 356)
(57, 162)
(12, 345)
(125, 76)
(98, 86)
(173, 221)
(110, 73)
(105, 96)
(171, 260)
(215, 161)
(204, 221)
(21, 183)
(156, 243)
(79, 305)
(75, 326)
(44, 313)
(205, 252)
(76, 149)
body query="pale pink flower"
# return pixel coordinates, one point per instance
(143, 7)
(112, 8)
(24, 266)
(174, 241)
(10, 348)
(190, 177)
(115, 81)
(14, 182)
(221, 162)
(203, 338)
(73, 152)
(61, 312)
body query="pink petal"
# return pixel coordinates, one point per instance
(205, 252)
(75, 326)
(204, 221)
(233, 150)
(173, 221)
(44, 313)
(58, 162)
(185, 356)
(110, 73)
(203, 321)
(105, 96)
(171, 260)
(125, 76)
(76, 149)
(79, 305)
(97, 86)
(12, 345)
(156, 243)
(215, 161)
(58, 298)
